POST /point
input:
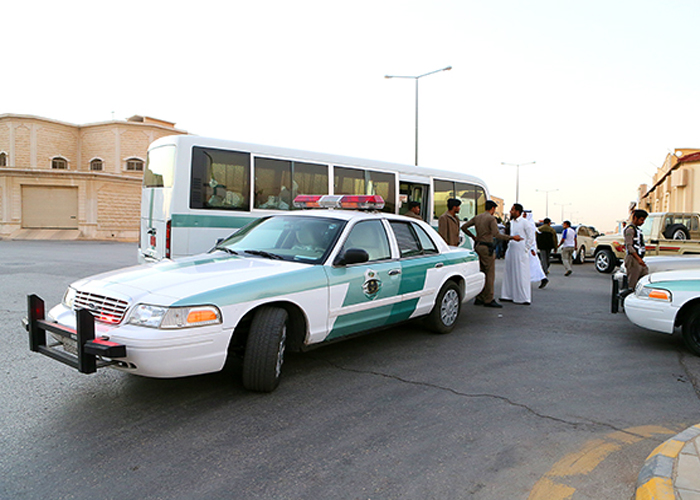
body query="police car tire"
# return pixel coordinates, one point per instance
(443, 317)
(264, 352)
(691, 331)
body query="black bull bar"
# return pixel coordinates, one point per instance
(89, 349)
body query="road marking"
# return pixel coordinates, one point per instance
(552, 486)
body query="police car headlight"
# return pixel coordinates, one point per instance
(69, 298)
(146, 315)
(647, 292)
(174, 317)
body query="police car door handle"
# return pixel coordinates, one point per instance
(394, 272)
(439, 265)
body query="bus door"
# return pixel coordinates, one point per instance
(412, 191)
(156, 200)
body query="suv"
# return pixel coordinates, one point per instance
(665, 233)
(584, 237)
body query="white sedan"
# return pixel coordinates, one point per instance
(665, 300)
(283, 282)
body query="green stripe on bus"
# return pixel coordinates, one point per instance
(225, 221)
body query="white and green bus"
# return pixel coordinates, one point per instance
(197, 190)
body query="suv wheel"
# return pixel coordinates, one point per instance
(605, 261)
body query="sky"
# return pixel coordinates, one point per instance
(595, 92)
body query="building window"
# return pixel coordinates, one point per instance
(59, 163)
(134, 165)
(96, 164)
(3, 159)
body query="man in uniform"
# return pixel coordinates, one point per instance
(634, 243)
(448, 223)
(486, 231)
(413, 210)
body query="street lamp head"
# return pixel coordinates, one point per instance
(447, 68)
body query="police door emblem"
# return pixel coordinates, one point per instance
(372, 285)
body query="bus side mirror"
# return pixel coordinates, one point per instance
(352, 256)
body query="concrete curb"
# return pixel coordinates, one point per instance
(656, 480)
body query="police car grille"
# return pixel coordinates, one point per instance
(105, 309)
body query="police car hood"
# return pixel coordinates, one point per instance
(675, 275)
(166, 282)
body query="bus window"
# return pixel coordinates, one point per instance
(480, 200)
(466, 193)
(273, 183)
(356, 181)
(309, 178)
(278, 182)
(473, 198)
(220, 179)
(444, 190)
(160, 167)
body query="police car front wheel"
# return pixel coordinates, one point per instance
(264, 352)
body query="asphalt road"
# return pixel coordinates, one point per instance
(560, 399)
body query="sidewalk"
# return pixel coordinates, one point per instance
(672, 470)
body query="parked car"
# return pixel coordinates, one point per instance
(665, 300)
(288, 281)
(585, 236)
(665, 233)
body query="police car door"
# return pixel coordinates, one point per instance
(362, 296)
(422, 270)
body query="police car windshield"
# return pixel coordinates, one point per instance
(288, 237)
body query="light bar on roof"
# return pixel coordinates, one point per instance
(307, 201)
(347, 201)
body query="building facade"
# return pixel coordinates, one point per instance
(59, 180)
(675, 186)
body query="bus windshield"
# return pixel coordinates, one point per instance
(160, 167)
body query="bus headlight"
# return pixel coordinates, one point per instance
(174, 317)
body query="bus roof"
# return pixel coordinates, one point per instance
(258, 149)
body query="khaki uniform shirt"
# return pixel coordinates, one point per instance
(486, 228)
(412, 215)
(448, 228)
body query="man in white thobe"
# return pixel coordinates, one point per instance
(516, 279)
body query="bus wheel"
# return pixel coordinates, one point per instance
(446, 310)
(264, 352)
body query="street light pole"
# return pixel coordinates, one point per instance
(517, 176)
(562, 210)
(416, 78)
(546, 197)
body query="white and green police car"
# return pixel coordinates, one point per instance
(283, 282)
(667, 299)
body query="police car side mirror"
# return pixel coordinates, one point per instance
(352, 256)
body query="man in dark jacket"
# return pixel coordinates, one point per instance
(546, 242)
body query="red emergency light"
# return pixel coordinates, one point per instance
(347, 201)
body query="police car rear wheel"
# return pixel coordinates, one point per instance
(264, 353)
(691, 331)
(443, 317)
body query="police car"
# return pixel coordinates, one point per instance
(288, 281)
(669, 298)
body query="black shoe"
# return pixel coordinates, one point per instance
(543, 283)
(478, 302)
(523, 303)
(506, 300)
(567, 273)
(493, 303)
